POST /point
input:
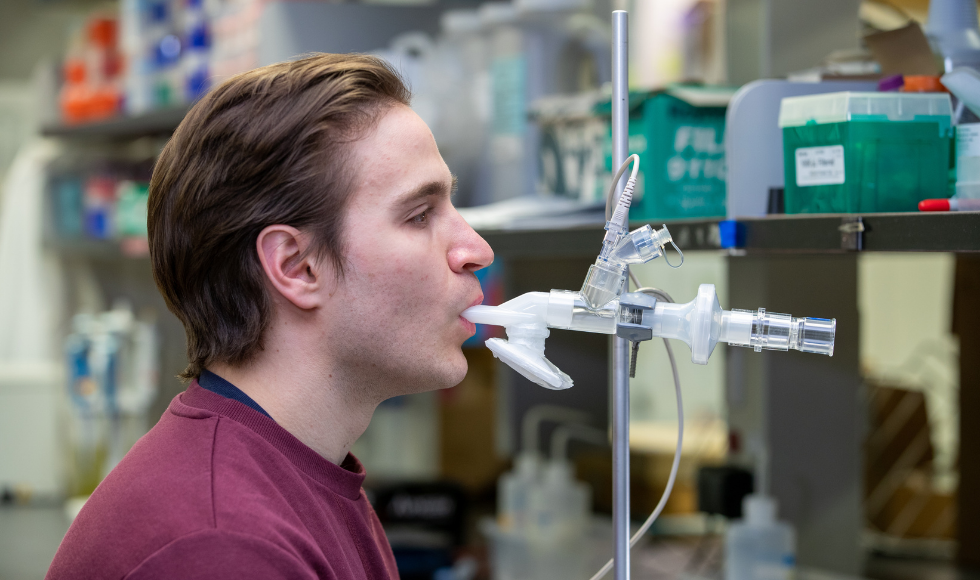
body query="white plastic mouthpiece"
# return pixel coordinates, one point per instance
(527, 319)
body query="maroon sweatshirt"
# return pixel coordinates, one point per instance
(219, 490)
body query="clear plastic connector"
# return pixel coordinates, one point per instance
(771, 331)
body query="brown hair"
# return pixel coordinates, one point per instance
(266, 147)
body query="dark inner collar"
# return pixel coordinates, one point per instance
(220, 386)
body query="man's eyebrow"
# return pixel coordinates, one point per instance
(433, 188)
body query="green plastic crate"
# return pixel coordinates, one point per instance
(679, 135)
(865, 152)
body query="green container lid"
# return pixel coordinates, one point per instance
(855, 106)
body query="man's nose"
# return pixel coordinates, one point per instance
(469, 252)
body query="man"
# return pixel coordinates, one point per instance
(301, 228)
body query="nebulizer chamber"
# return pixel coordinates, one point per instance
(607, 276)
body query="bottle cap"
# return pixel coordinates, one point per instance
(923, 84)
(759, 510)
(934, 205)
(528, 465)
(891, 83)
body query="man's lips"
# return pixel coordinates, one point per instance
(470, 327)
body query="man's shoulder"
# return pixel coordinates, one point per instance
(167, 488)
(161, 490)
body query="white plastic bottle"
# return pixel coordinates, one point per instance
(558, 506)
(759, 547)
(510, 172)
(953, 29)
(514, 489)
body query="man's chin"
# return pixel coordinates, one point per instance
(455, 374)
(446, 375)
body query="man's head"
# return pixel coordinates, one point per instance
(308, 192)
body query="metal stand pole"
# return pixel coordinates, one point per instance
(621, 380)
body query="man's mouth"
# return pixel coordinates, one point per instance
(469, 326)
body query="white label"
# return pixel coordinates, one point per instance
(968, 140)
(820, 165)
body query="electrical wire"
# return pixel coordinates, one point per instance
(655, 292)
(619, 174)
(661, 295)
(633, 278)
(623, 212)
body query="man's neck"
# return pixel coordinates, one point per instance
(306, 398)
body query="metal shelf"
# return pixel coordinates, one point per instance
(563, 242)
(805, 233)
(161, 122)
(799, 234)
(100, 250)
(881, 232)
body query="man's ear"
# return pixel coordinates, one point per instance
(290, 268)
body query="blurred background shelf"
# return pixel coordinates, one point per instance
(101, 250)
(585, 241)
(154, 123)
(882, 232)
(803, 233)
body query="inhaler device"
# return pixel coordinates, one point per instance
(601, 306)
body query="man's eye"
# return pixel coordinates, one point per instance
(422, 218)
